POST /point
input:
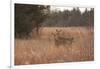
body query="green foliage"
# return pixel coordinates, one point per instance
(28, 17)
(70, 18)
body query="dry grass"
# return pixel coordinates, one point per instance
(43, 49)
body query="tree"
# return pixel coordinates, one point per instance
(88, 17)
(28, 17)
(85, 17)
(75, 18)
(91, 17)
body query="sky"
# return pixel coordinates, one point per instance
(66, 8)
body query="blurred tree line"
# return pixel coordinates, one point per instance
(68, 18)
(32, 17)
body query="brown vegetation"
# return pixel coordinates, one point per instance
(43, 49)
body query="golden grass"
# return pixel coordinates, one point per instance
(43, 49)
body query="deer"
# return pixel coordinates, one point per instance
(61, 40)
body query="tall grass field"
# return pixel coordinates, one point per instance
(42, 48)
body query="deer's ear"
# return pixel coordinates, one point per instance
(57, 30)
